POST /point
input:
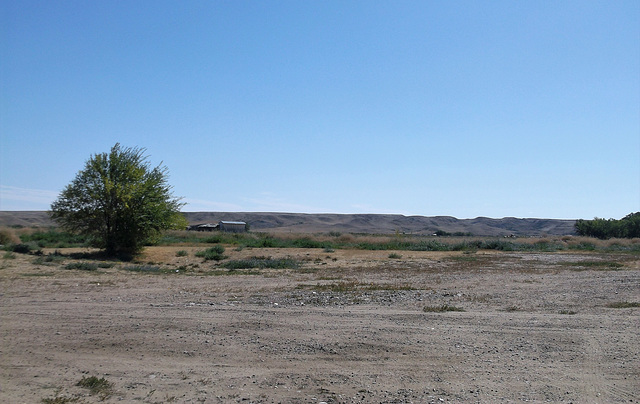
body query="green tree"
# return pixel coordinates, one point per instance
(119, 201)
(627, 227)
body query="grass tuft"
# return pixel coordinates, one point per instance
(215, 253)
(623, 305)
(101, 386)
(60, 400)
(83, 266)
(263, 263)
(441, 309)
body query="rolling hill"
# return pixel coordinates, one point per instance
(348, 223)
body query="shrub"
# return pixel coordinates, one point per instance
(441, 309)
(214, 253)
(262, 263)
(54, 238)
(83, 266)
(623, 305)
(8, 236)
(182, 253)
(21, 248)
(97, 386)
(143, 268)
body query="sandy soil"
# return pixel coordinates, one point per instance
(348, 327)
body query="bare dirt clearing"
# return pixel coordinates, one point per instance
(346, 326)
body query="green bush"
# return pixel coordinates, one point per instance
(214, 253)
(143, 268)
(55, 239)
(627, 227)
(21, 248)
(262, 263)
(84, 266)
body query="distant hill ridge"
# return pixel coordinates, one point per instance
(348, 223)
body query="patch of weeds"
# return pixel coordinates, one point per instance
(569, 312)
(595, 265)
(583, 246)
(213, 239)
(106, 265)
(101, 386)
(50, 259)
(83, 266)
(395, 256)
(144, 268)
(54, 238)
(8, 255)
(36, 274)
(60, 400)
(20, 248)
(263, 263)
(623, 305)
(214, 253)
(463, 258)
(329, 250)
(441, 309)
(182, 253)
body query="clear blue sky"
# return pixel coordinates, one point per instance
(461, 108)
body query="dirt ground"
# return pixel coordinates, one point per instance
(345, 327)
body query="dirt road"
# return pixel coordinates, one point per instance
(347, 327)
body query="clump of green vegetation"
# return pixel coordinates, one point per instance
(214, 253)
(83, 266)
(627, 227)
(21, 248)
(182, 253)
(60, 400)
(49, 259)
(623, 305)
(55, 239)
(219, 272)
(596, 265)
(8, 255)
(335, 240)
(263, 263)
(395, 256)
(101, 386)
(511, 309)
(145, 269)
(441, 309)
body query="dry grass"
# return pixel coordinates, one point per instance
(8, 235)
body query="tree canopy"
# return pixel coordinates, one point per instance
(119, 201)
(627, 227)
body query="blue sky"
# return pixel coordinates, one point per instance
(461, 108)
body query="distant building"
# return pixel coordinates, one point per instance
(226, 226)
(203, 227)
(232, 227)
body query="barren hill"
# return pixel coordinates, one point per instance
(348, 223)
(383, 223)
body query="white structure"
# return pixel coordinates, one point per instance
(232, 227)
